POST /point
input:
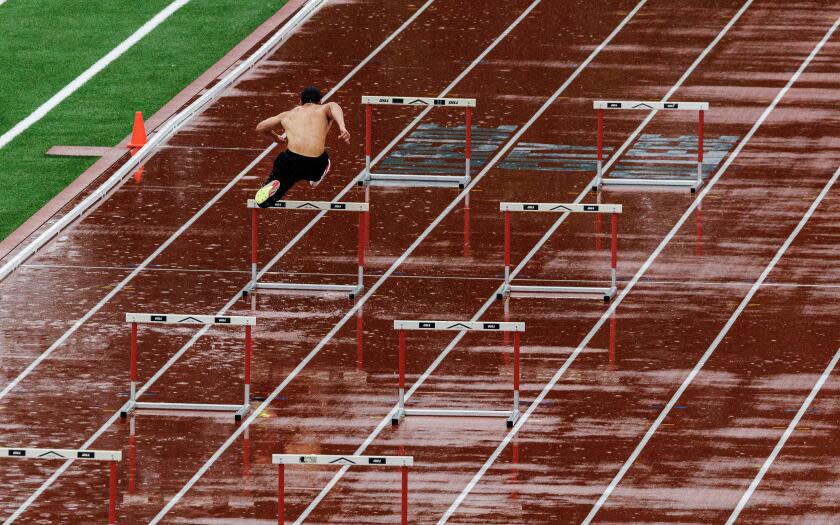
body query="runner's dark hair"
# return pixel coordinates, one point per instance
(310, 95)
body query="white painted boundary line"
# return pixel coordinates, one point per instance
(44, 486)
(644, 267)
(710, 351)
(783, 440)
(161, 136)
(386, 421)
(90, 72)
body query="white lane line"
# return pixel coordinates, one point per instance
(142, 266)
(642, 270)
(618, 477)
(172, 125)
(420, 380)
(783, 440)
(122, 284)
(84, 319)
(361, 301)
(92, 71)
(47, 483)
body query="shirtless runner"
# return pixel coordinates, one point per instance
(305, 158)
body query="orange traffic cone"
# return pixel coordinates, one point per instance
(138, 133)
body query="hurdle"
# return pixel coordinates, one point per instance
(281, 460)
(111, 456)
(691, 184)
(394, 179)
(351, 289)
(509, 289)
(184, 319)
(475, 326)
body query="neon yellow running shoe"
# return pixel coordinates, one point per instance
(266, 192)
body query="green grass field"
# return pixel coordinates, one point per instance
(45, 45)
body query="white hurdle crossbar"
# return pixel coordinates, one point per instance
(352, 290)
(186, 319)
(692, 184)
(470, 326)
(510, 289)
(281, 460)
(393, 179)
(111, 456)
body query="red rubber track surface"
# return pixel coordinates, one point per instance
(698, 463)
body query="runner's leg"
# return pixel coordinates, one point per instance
(283, 177)
(322, 169)
(286, 183)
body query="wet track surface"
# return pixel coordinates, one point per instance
(705, 452)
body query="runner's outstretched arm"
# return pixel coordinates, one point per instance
(270, 126)
(336, 114)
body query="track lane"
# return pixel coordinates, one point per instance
(291, 388)
(384, 13)
(679, 333)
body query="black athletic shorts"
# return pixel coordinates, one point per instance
(291, 168)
